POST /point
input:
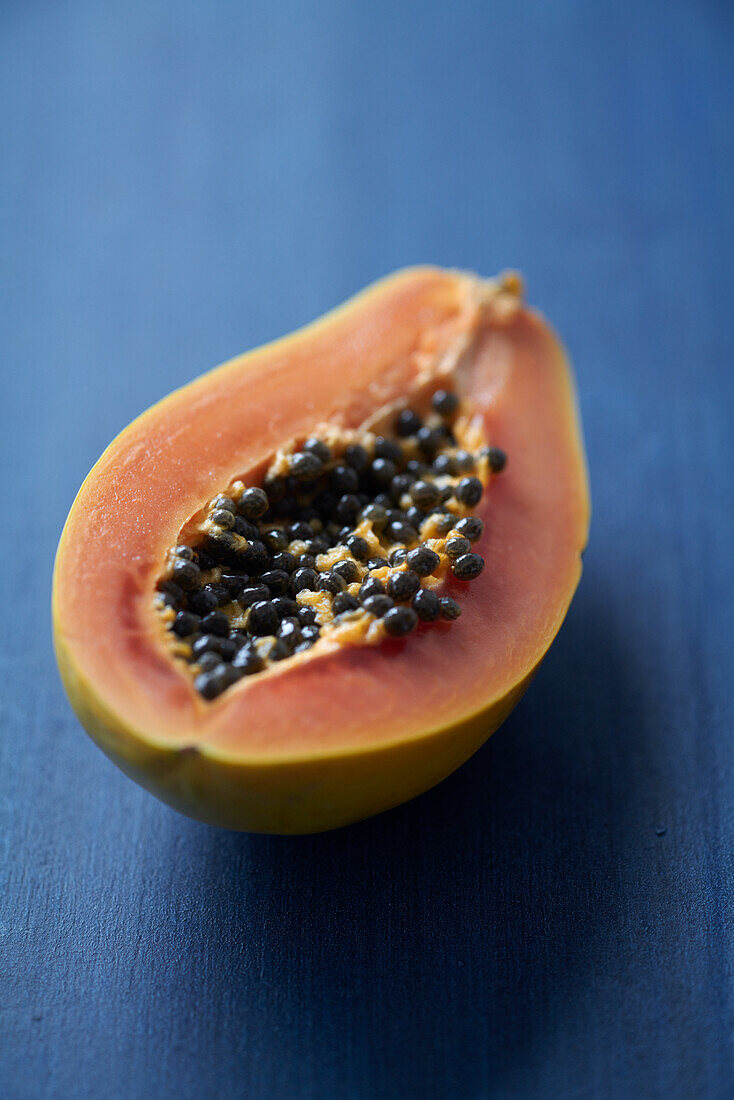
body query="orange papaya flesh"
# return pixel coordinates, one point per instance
(349, 730)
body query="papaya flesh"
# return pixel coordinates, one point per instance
(345, 730)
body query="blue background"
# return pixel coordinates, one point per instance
(181, 181)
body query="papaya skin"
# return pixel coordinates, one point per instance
(348, 733)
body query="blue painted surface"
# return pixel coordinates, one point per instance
(182, 181)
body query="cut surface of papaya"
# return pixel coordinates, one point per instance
(307, 586)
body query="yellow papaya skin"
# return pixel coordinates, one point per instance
(308, 795)
(249, 762)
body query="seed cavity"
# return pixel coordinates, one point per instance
(349, 538)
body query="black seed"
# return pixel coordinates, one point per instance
(497, 459)
(457, 545)
(207, 643)
(399, 621)
(450, 609)
(430, 441)
(388, 448)
(216, 622)
(470, 527)
(425, 493)
(305, 561)
(398, 555)
(414, 516)
(408, 423)
(283, 561)
(310, 633)
(399, 485)
(426, 605)
(255, 558)
(223, 519)
(383, 470)
(222, 501)
(306, 616)
(372, 586)
(417, 468)
(209, 660)
(358, 547)
(347, 508)
(342, 535)
(300, 532)
(464, 460)
(284, 606)
(276, 579)
(319, 545)
(254, 503)
(205, 561)
(185, 573)
(445, 465)
(375, 514)
(317, 447)
(171, 592)
(468, 566)
(263, 618)
(444, 403)
(402, 532)
(248, 660)
(234, 582)
(403, 585)
(346, 569)
(378, 604)
(469, 491)
(246, 529)
(304, 579)
(186, 553)
(228, 647)
(289, 627)
(344, 479)
(343, 603)
(220, 592)
(276, 539)
(185, 623)
(355, 455)
(383, 500)
(283, 647)
(274, 489)
(331, 582)
(202, 601)
(377, 562)
(444, 523)
(395, 515)
(423, 561)
(211, 684)
(223, 546)
(253, 594)
(281, 650)
(303, 465)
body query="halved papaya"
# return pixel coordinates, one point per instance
(359, 716)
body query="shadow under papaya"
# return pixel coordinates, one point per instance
(432, 950)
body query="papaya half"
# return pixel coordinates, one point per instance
(307, 586)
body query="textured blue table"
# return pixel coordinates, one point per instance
(183, 180)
